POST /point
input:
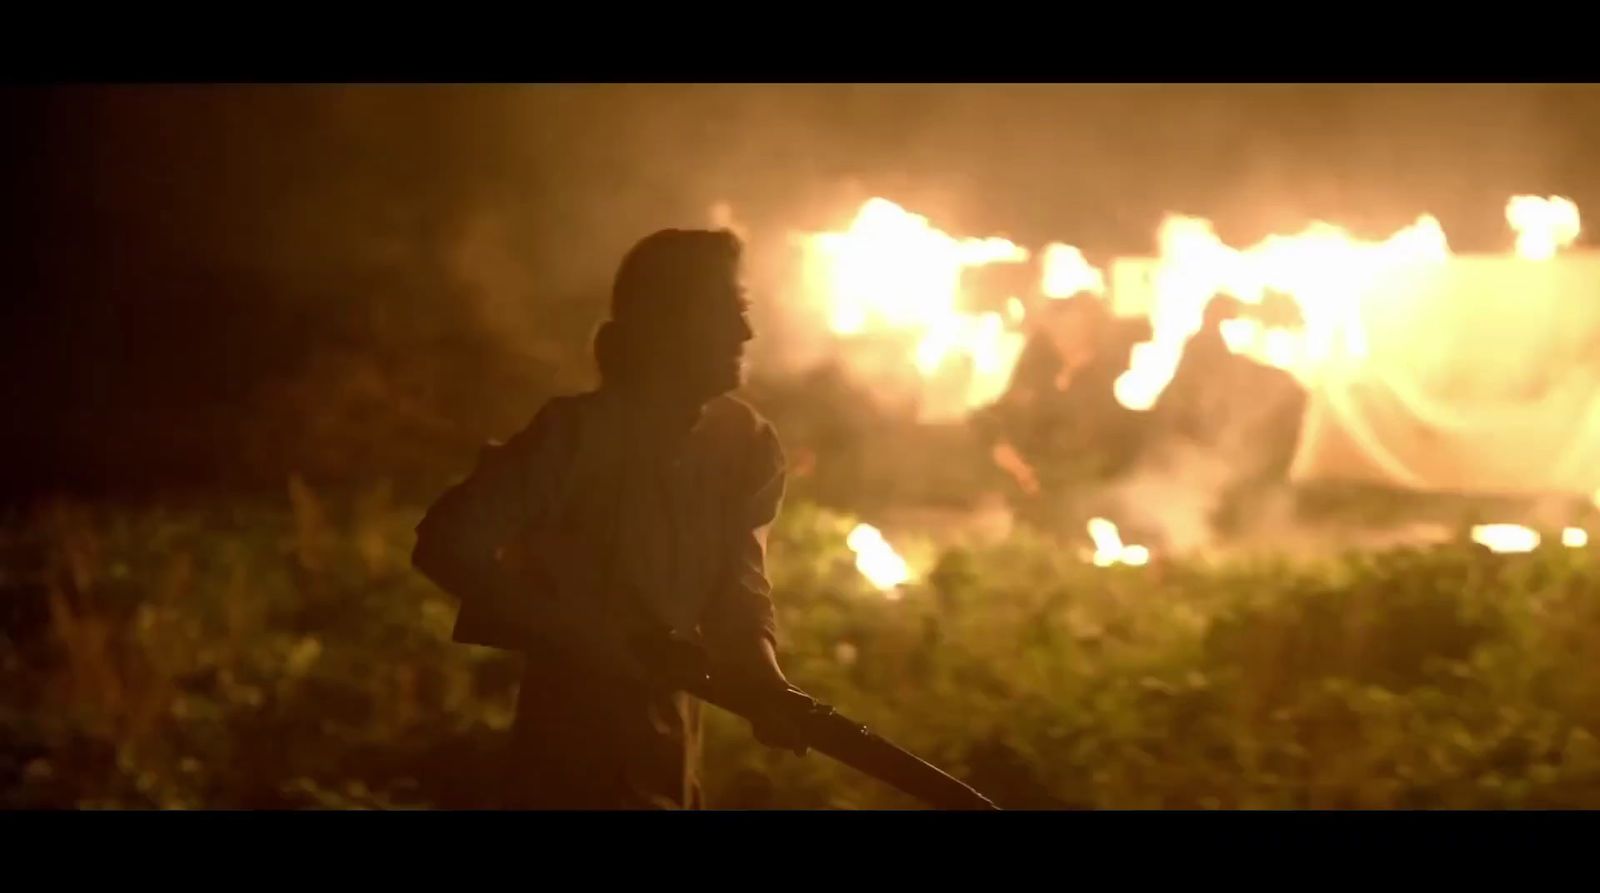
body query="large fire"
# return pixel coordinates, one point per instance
(894, 279)
(1384, 334)
(1324, 270)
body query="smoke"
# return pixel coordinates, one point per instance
(295, 208)
(497, 283)
(582, 171)
(1171, 499)
(588, 169)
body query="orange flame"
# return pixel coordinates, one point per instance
(1067, 273)
(876, 559)
(893, 275)
(890, 288)
(1506, 537)
(1323, 270)
(1109, 548)
(1543, 225)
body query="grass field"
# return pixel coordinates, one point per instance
(286, 656)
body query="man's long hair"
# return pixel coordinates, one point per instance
(657, 280)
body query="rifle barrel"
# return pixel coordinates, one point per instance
(862, 749)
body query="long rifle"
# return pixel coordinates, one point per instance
(823, 729)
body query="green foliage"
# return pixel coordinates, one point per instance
(265, 657)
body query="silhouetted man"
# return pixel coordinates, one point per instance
(1203, 388)
(1060, 413)
(643, 504)
(1229, 401)
(1232, 406)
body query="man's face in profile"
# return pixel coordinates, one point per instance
(715, 331)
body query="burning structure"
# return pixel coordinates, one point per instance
(1160, 390)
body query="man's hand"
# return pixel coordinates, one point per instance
(779, 720)
(747, 668)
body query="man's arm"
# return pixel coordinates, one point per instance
(462, 541)
(520, 580)
(741, 629)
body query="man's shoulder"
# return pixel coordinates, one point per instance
(566, 404)
(558, 410)
(554, 421)
(729, 416)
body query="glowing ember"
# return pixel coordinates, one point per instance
(1011, 462)
(1542, 224)
(876, 559)
(1574, 537)
(1506, 537)
(1109, 548)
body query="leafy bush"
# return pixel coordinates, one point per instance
(261, 657)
